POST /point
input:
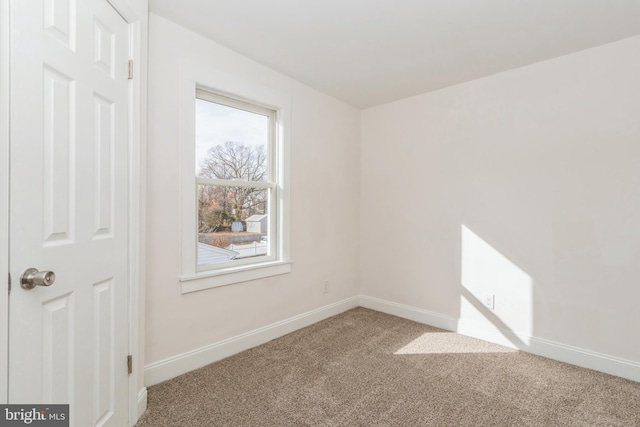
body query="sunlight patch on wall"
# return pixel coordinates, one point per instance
(450, 342)
(486, 272)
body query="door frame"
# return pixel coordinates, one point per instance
(5, 49)
(135, 13)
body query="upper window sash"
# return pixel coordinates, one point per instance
(272, 120)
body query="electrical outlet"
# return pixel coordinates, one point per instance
(325, 287)
(489, 301)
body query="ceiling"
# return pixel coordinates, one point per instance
(369, 52)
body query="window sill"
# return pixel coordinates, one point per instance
(213, 279)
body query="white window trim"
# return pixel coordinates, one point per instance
(200, 76)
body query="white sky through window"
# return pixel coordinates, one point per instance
(216, 124)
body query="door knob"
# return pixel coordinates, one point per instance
(32, 278)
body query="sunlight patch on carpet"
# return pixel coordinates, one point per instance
(450, 342)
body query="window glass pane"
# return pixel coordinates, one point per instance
(231, 143)
(233, 223)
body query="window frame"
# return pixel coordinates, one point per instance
(270, 184)
(200, 77)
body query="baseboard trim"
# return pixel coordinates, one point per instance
(407, 312)
(166, 369)
(163, 370)
(553, 350)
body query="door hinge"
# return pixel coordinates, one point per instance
(130, 69)
(130, 364)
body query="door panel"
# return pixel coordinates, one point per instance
(69, 208)
(59, 120)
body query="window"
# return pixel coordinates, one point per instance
(234, 184)
(236, 181)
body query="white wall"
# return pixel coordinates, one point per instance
(538, 171)
(325, 159)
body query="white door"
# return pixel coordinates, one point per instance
(69, 208)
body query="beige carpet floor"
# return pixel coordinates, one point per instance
(364, 368)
